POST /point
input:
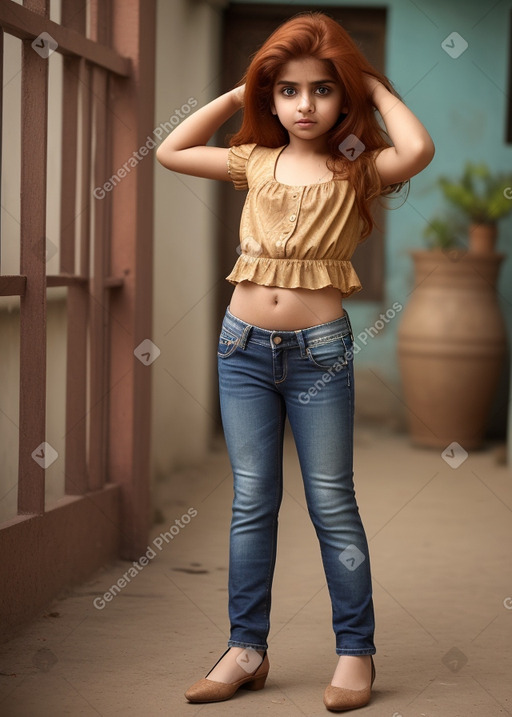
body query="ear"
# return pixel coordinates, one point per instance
(273, 109)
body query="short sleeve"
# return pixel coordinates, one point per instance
(237, 164)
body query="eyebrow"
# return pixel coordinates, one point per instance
(316, 82)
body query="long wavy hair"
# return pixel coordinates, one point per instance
(316, 35)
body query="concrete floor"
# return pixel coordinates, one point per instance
(440, 542)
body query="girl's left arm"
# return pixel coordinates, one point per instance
(412, 148)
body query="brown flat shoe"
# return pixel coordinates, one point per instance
(340, 699)
(211, 691)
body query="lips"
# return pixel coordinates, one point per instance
(305, 123)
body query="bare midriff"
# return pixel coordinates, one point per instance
(276, 308)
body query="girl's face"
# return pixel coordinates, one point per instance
(307, 99)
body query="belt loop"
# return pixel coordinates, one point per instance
(301, 342)
(349, 325)
(245, 336)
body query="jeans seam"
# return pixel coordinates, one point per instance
(285, 368)
(276, 509)
(327, 339)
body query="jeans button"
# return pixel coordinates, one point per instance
(277, 339)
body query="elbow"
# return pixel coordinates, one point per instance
(424, 152)
(417, 158)
(160, 155)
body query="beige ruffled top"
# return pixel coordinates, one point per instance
(293, 236)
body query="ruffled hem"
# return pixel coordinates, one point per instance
(296, 273)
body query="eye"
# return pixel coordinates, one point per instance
(288, 91)
(323, 90)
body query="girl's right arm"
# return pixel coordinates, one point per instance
(185, 150)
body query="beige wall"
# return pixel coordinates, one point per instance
(187, 72)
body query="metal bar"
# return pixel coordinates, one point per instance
(54, 280)
(68, 163)
(73, 16)
(32, 409)
(101, 21)
(113, 282)
(77, 480)
(27, 25)
(1, 130)
(15, 285)
(98, 305)
(132, 256)
(85, 165)
(40, 7)
(12, 285)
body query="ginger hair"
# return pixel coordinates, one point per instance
(316, 35)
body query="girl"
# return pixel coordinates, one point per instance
(313, 156)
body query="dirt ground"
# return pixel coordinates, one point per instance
(440, 539)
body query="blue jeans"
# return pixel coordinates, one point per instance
(307, 376)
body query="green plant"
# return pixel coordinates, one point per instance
(482, 196)
(443, 233)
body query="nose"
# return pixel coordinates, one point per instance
(305, 102)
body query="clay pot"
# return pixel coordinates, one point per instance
(451, 347)
(482, 238)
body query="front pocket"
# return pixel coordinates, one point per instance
(331, 354)
(227, 344)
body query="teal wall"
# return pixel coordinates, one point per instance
(462, 102)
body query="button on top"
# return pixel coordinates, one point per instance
(293, 218)
(277, 339)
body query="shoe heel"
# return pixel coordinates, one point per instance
(256, 684)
